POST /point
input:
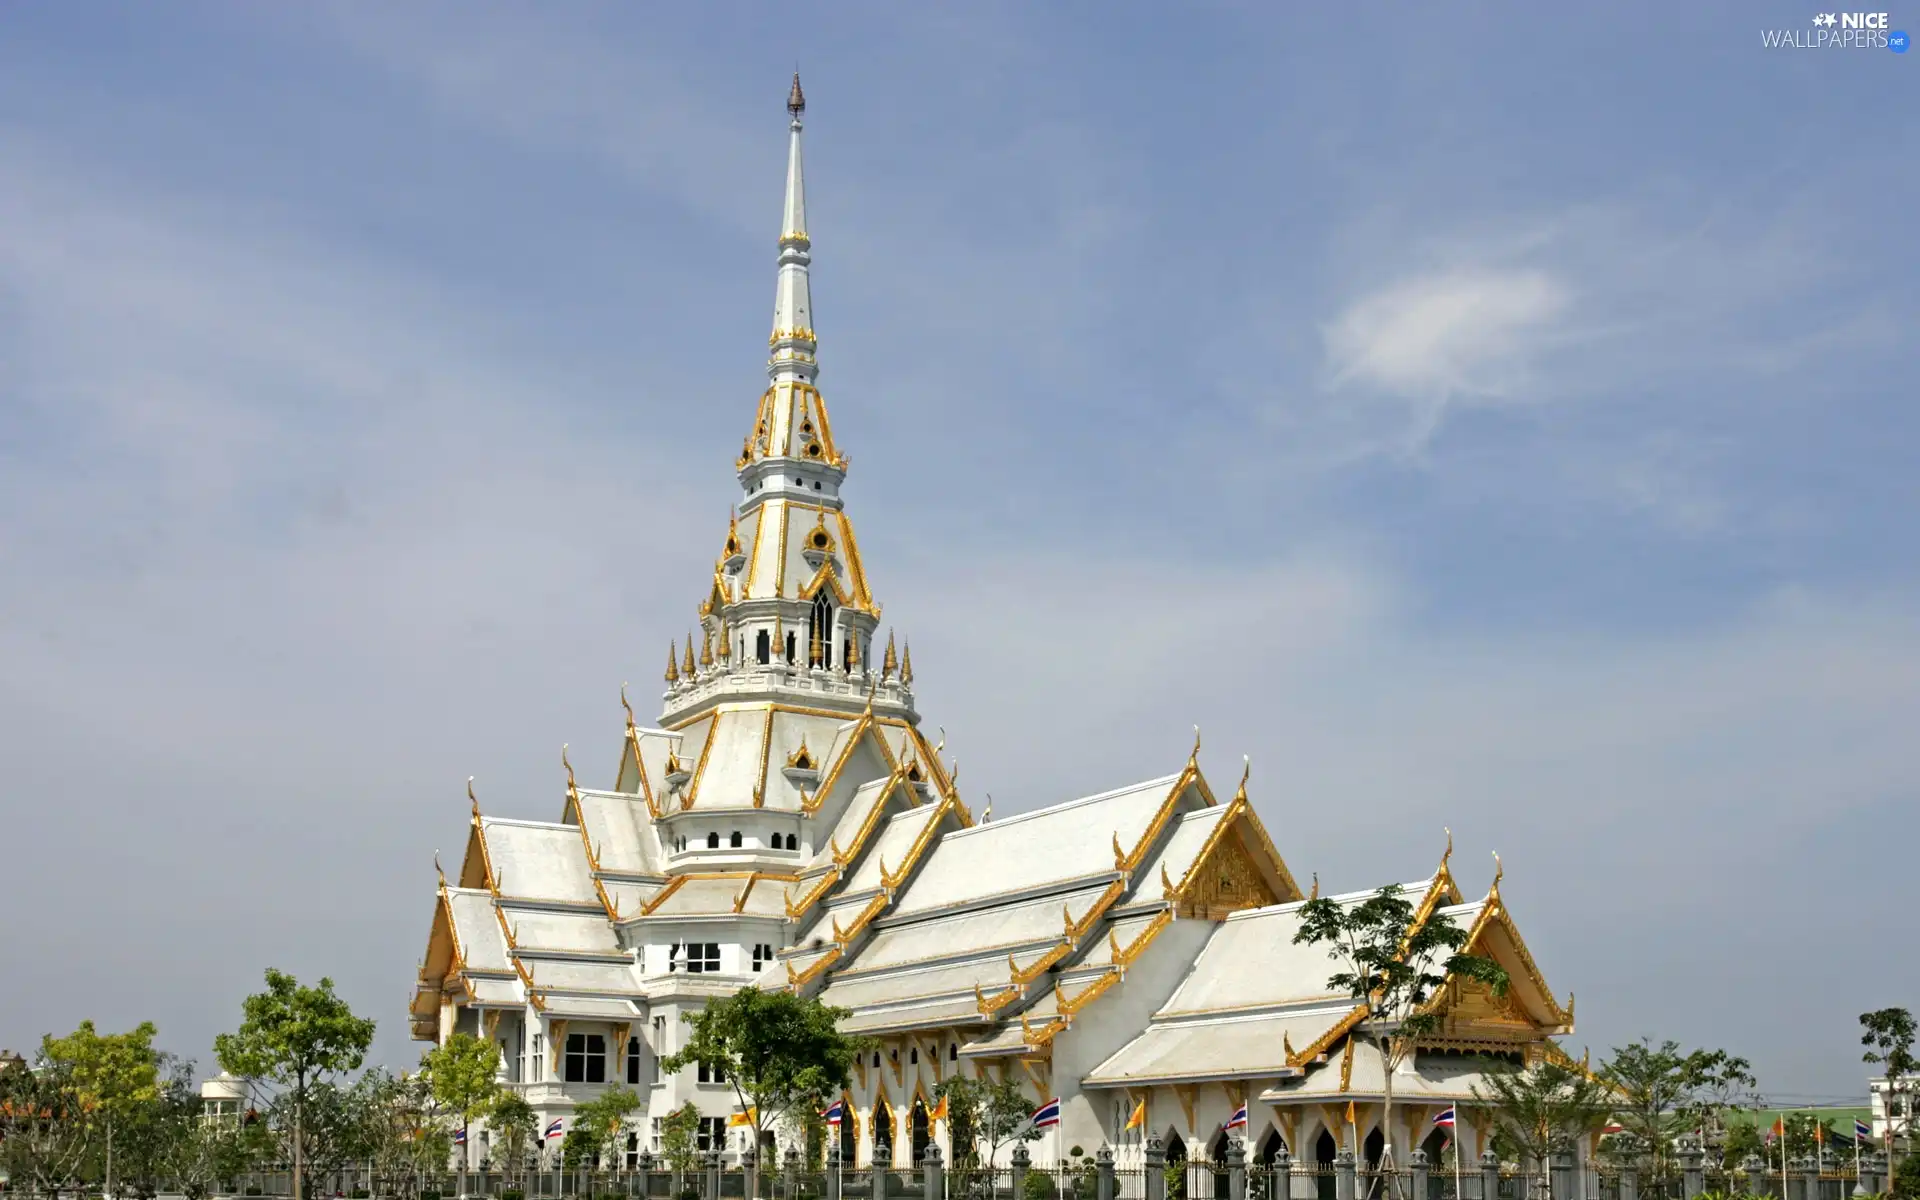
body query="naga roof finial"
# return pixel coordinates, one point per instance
(1316, 886)
(1493, 893)
(1246, 772)
(571, 789)
(471, 799)
(625, 705)
(796, 99)
(1193, 760)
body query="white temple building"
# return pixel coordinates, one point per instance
(787, 824)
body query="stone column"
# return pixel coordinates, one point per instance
(1560, 1173)
(933, 1186)
(1630, 1180)
(750, 1171)
(1021, 1161)
(1877, 1165)
(878, 1173)
(1810, 1177)
(643, 1166)
(1417, 1168)
(833, 1165)
(1753, 1171)
(1693, 1169)
(1236, 1169)
(1280, 1179)
(713, 1175)
(1489, 1175)
(1153, 1159)
(1343, 1175)
(792, 1168)
(1103, 1168)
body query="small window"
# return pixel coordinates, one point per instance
(913, 1055)
(762, 955)
(734, 841)
(793, 841)
(876, 1058)
(712, 1073)
(713, 840)
(633, 1060)
(702, 958)
(540, 1058)
(953, 1051)
(712, 1134)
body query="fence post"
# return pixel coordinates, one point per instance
(833, 1165)
(1236, 1169)
(1343, 1181)
(1810, 1177)
(1021, 1161)
(1693, 1169)
(792, 1164)
(1877, 1164)
(877, 1171)
(1103, 1166)
(1560, 1173)
(1153, 1157)
(930, 1175)
(749, 1170)
(1417, 1168)
(1280, 1178)
(713, 1175)
(1489, 1175)
(1630, 1180)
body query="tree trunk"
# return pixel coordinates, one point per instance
(108, 1190)
(1387, 1162)
(299, 1136)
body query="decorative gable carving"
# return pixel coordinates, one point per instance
(1225, 881)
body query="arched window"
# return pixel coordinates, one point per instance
(789, 648)
(913, 1055)
(953, 1051)
(763, 646)
(734, 841)
(713, 840)
(793, 841)
(820, 631)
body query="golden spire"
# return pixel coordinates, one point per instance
(853, 652)
(723, 639)
(891, 663)
(687, 666)
(906, 663)
(673, 668)
(706, 648)
(796, 99)
(733, 532)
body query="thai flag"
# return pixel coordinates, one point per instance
(1047, 1116)
(1445, 1119)
(558, 1127)
(1239, 1118)
(460, 1136)
(1862, 1132)
(1612, 1127)
(835, 1111)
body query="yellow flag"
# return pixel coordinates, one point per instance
(1350, 1119)
(939, 1112)
(1139, 1118)
(743, 1118)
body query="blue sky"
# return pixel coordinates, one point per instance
(1497, 419)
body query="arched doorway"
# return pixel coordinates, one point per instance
(1372, 1183)
(1176, 1168)
(1436, 1147)
(1217, 1158)
(1325, 1150)
(1269, 1149)
(882, 1135)
(922, 1136)
(847, 1133)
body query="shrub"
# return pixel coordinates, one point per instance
(1906, 1178)
(512, 1194)
(1039, 1186)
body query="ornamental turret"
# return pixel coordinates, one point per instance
(789, 609)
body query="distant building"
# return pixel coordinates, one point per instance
(1892, 1108)
(223, 1098)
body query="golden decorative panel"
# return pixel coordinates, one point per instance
(1226, 881)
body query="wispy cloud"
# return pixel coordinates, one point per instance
(1436, 340)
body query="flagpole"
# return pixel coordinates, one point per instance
(1457, 1194)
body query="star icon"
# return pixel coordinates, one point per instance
(1824, 19)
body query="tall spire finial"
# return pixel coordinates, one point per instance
(796, 99)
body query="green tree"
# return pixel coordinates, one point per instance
(680, 1138)
(984, 1115)
(1395, 966)
(516, 1130)
(112, 1075)
(44, 1131)
(464, 1074)
(602, 1121)
(778, 1050)
(1534, 1109)
(404, 1138)
(197, 1151)
(1887, 1033)
(299, 1038)
(1662, 1092)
